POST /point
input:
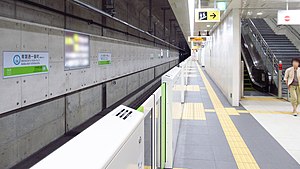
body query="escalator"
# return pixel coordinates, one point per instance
(255, 74)
(262, 51)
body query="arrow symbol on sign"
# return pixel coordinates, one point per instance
(213, 15)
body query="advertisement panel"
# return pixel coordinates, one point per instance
(77, 50)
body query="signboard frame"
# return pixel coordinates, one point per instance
(208, 12)
(293, 17)
(104, 61)
(89, 52)
(31, 69)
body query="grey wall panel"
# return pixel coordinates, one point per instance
(35, 117)
(34, 89)
(133, 82)
(8, 154)
(7, 9)
(34, 38)
(37, 139)
(116, 90)
(56, 45)
(146, 76)
(127, 57)
(8, 129)
(159, 70)
(25, 132)
(58, 79)
(10, 89)
(83, 105)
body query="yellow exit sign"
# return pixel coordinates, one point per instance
(207, 15)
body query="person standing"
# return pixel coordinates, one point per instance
(291, 78)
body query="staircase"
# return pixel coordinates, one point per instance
(280, 45)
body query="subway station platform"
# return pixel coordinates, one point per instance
(260, 133)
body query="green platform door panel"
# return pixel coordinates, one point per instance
(163, 126)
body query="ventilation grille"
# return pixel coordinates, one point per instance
(124, 114)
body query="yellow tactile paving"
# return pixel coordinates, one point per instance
(263, 112)
(149, 167)
(193, 111)
(268, 112)
(231, 111)
(243, 111)
(179, 87)
(262, 99)
(192, 88)
(188, 111)
(240, 151)
(199, 113)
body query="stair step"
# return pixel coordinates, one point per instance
(286, 48)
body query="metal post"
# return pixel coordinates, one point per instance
(182, 83)
(242, 78)
(150, 17)
(280, 80)
(272, 74)
(170, 30)
(164, 24)
(186, 73)
(164, 11)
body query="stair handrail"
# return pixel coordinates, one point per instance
(290, 28)
(271, 61)
(262, 40)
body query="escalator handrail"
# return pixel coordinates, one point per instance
(250, 73)
(273, 56)
(250, 68)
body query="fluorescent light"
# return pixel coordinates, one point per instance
(221, 6)
(259, 13)
(192, 15)
(208, 26)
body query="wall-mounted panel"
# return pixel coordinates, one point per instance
(34, 89)
(10, 89)
(82, 106)
(116, 90)
(57, 79)
(23, 36)
(34, 38)
(56, 45)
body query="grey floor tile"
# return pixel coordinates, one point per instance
(194, 152)
(268, 153)
(194, 164)
(223, 153)
(194, 123)
(217, 140)
(194, 130)
(225, 165)
(192, 139)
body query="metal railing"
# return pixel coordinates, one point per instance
(269, 58)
